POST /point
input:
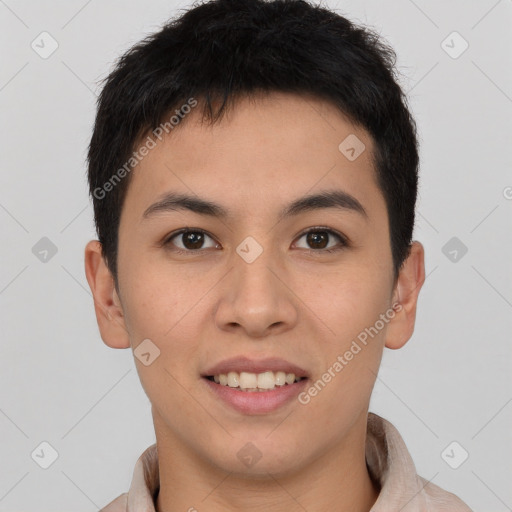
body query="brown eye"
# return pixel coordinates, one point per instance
(191, 240)
(318, 240)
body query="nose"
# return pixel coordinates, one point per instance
(256, 298)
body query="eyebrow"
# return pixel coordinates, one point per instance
(326, 199)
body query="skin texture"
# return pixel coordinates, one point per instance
(295, 301)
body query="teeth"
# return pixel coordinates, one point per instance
(255, 382)
(248, 380)
(280, 378)
(233, 379)
(266, 380)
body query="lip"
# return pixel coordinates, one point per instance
(245, 364)
(256, 402)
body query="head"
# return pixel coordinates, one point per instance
(246, 107)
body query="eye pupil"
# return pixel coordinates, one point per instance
(194, 237)
(317, 236)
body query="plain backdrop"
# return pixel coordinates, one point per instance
(61, 385)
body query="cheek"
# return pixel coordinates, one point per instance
(158, 299)
(167, 315)
(167, 307)
(350, 303)
(349, 299)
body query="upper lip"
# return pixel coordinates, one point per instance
(245, 364)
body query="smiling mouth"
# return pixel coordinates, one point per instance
(255, 382)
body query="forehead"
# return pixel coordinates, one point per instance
(264, 150)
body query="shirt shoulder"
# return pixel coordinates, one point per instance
(120, 504)
(390, 464)
(440, 500)
(144, 486)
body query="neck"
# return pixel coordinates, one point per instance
(336, 480)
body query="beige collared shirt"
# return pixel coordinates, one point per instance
(387, 458)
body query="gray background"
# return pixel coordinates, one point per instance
(62, 385)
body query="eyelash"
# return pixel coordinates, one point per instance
(343, 241)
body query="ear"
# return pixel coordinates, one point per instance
(107, 305)
(405, 295)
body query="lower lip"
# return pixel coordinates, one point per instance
(257, 402)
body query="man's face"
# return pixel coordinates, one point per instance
(254, 284)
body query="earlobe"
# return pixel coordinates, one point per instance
(410, 280)
(107, 304)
